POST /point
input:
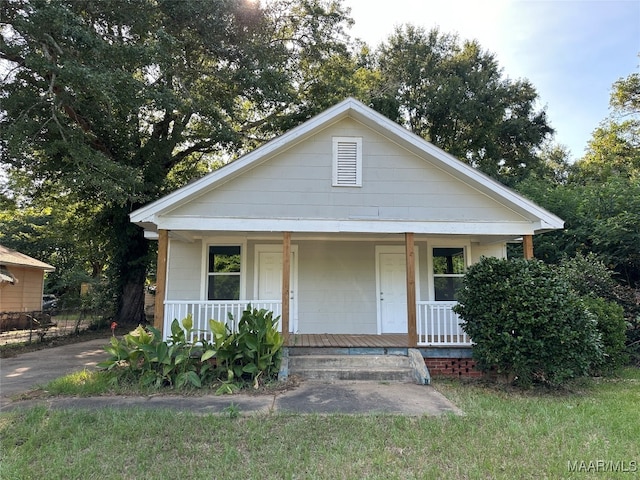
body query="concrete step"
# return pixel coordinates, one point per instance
(347, 361)
(384, 368)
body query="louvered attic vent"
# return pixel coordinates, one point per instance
(347, 162)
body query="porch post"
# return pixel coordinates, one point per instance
(411, 290)
(286, 273)
(161, 279)
(527, 246)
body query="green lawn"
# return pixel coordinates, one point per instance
(504, 434)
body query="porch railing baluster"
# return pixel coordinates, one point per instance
(439, 325)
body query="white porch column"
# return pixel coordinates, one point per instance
(161, 279)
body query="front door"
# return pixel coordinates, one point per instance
(392, 292)
(269, 278)
(392, 288)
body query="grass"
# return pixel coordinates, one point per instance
(505, 433)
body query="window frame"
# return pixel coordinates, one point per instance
(204, 291)
(465, 254)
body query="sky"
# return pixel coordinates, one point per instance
(572, 51)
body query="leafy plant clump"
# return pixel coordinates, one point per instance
(527, 323)
(142, 356)
(254, 351)
(248, 355)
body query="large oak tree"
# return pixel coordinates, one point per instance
(109, 99)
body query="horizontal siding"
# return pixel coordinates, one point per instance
(26, 294)
(498, 250)
(336, 287)
(185, 266)
(397, 185)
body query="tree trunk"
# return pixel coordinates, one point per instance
(131, 305)
(129, 268)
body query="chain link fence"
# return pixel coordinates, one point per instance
(36, 326)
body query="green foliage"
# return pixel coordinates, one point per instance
(612, 328)
(608, 301)
(251, 354)
(527, 322)
(588, 275)
(145, 358)
(254, 351)
(453, 94)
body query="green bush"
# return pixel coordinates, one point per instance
(588, 275)
(605, 299)
(526, 322)
(611, 326)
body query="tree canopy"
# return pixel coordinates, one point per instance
(454, 94)
(105, 99)
(108, 105)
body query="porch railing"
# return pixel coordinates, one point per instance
(438, 325)
(203, 311)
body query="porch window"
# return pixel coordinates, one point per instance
(224, 272)
(347, 162)
(448, 270)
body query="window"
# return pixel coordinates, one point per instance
(448, 270)
(347, 162)
(224, 273)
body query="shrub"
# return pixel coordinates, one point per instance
(608, 301)
(611, 326)
(588, 275)
(526, 322)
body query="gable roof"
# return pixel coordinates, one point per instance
(9, 256)
(148, 216)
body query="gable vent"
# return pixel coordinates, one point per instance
(347, 162)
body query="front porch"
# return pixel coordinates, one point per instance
(436, 325)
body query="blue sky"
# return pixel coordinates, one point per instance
(570, 50)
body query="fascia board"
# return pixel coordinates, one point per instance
(350, 226)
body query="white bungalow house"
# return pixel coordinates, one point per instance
(374, 225)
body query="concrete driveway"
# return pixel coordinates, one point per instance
(30, 370)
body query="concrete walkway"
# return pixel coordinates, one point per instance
(28, 371)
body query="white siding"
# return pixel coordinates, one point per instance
(396, 185)
(498, 250)
(337, 287)
(185, 270)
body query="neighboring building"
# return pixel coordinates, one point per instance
(21, 281)
(375, 226)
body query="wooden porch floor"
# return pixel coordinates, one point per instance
(330, 340)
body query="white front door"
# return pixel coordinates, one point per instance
(392, 288)
(392, 294)
(269, 278)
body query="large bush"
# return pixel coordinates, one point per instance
(611, 326)
(526, 322)
(605, 299)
